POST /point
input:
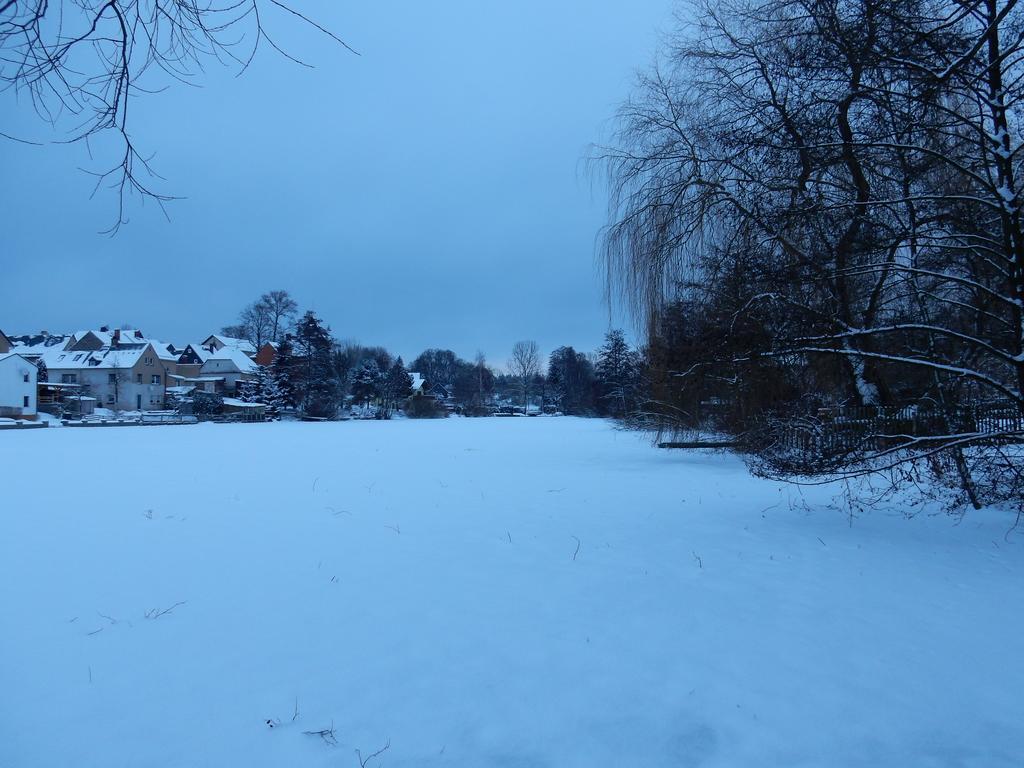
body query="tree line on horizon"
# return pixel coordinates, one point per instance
(318, 375)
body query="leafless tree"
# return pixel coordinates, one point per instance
(838, 184)
(525, 365)
(280, 310)
(268, 318)
(81, 64)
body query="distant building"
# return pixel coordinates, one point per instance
(17, 387)
(5, 344)
(217, 342)
(231, 364)
(133, 377)
(265, 355)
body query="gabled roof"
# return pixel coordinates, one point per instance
(216, 340)
(201, 353)
(104, 338)
(417, 381)
(9, 355)
(164, 351)
(3, 337)
(116, 359)
(236, 357)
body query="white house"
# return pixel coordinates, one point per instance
(17, 387)
(131, 379)
(231, 364)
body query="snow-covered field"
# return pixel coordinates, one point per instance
(492, 592)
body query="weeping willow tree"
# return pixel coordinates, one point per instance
(832, 191)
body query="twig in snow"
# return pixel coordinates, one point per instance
(95, 631)
(700, 563)
(156, 613)
(327, 734)
(363, 761)
(822, 542)
(509, 537)
(394, 528)
(578, 542)
(555, 490)
(315, 481)
(111, 619)
(295, 715)
(90, 674)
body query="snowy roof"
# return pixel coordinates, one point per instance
(236, 403)
(105, 337)
(163, 351)
(236, 357)
(197, 379)
(34, 346)
(57, 359)
(230, 341)
(417, 381)
(198, 350)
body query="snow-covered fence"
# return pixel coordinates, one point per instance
(851, 430)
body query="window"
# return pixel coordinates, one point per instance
(25, 399)
(111, 378)
(69, 378)
(155, 378)
(149, 361)
(25, 378)
(110, 398)
(138, 378)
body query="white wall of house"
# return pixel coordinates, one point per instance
(17, 387)
(123, 392)
(226, 369)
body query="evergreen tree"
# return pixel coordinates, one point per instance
(282, 376)
(316, 383)
(397, 388)
(366, 385)
(618, 369)
(42, 374)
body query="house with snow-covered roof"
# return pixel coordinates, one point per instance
(191, 360)
(17, 387)
(216, 342)
(122, 379)
(231, 364)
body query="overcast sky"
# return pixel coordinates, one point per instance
(429, 192)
